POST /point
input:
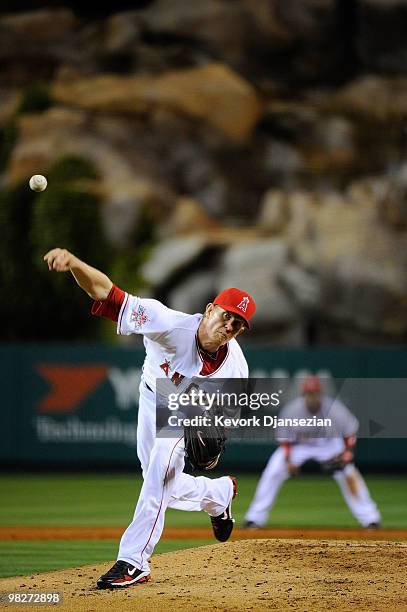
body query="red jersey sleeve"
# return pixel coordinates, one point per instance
(110, 307)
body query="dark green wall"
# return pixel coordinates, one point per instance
(44, 415)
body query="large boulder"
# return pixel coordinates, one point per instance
(348, 262)
(213, 93)
(46, 26)
(192, 294)
(42, 139)
(172, 256)
(361, 265)
(286, 40)
(393, 199)
(187, 217)
(255, 267)
(198, 29)
(127, 186)
(373, 97)
(381, 41)
(33, 44)
(274, 212)
(9, 102)
(316, 41)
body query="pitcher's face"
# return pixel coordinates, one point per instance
(221, 325)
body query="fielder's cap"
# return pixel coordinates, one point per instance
(311, 384)
(237, 301)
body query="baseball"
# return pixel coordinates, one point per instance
(38, 182)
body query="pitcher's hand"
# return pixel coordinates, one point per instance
(59, 260)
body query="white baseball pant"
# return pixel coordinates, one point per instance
(275, 473)
(165, 485)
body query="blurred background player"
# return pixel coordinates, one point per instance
(334, 454)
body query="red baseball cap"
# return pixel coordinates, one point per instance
(237, 301)
(311, 384)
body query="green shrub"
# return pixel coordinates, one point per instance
(124, 269)
(36, 99)
(70, 219)
(145, 231)
(70, 169)
(16, 207)
(41, 305)
(8, 138)
(24, 307)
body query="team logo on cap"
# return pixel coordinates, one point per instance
(243, 304)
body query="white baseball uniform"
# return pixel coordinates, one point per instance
(303, 448)
(172, 350)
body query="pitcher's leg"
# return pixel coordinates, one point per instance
(194, 493)
(357, 496)
(139, 539)
(273, 476)
(146, 430)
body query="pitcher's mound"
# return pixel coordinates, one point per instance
(245, 575)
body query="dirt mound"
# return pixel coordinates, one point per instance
(245, 575)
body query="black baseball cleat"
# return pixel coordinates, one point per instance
(222, 525)
(122, 574)
(374, 526)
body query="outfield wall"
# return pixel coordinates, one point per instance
(77, 405)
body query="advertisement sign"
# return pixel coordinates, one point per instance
(69, 405)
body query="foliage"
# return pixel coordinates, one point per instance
(68, 218)
(36, 99)
(125, 268)
(8, 138)
(71, 168)
(39, 305)
(44, 306)
(20, 307)
(67, 214)
(145, 229)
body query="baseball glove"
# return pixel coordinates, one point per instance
(337, 463)
(204, 444)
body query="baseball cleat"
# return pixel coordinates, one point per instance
(122, 574)
(250, 525)
(373, 526)
(222, 525)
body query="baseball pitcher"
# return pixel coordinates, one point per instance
(334, 453)
(177, 345)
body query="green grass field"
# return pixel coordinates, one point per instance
(24, 558)
(90, 499)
